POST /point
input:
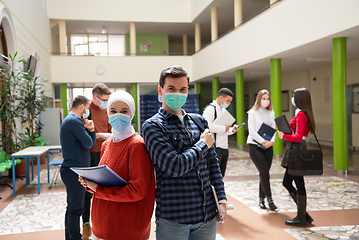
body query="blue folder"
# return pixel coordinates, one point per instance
(265, 132)
(102, 175)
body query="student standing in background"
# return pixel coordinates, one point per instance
(260, 113)
(300, 128)
(77, 137)
(98, 114)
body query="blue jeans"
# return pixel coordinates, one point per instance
(167, 229)
(75, 203)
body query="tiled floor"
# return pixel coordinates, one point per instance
(333, 202)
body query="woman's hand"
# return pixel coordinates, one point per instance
(280, 134)
(267, 144)
(88, 184)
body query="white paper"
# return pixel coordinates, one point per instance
(224, 119)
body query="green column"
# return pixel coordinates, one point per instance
(198, 87)
(134, 95)
(240, 106)
(64, 98)
(215, 87)
(276, 96)
(340, 126)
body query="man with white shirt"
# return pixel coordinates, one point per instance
(210, 113)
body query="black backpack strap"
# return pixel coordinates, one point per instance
(215, 116)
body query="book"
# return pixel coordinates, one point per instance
(102, 175)
(282, 124)
(265, 132)
(219, 212)
(224, 119)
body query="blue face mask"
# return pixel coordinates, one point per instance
(103, 105)
(175, 100)
(293, 102)
(119, 121)
(86, 114)
(224, 105)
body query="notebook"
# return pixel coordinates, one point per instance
(282, 124)
(219, 212)
(224, 119)
(102, 175)
(265, 132)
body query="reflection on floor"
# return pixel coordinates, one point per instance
(332, 202)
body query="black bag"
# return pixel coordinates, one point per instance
(305, 162)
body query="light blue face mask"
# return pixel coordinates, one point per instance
(175, 100)
(224, 105)
(86, 114)
(103, 105)
(293, 102)
(119, 121)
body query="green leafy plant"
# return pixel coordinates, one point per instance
(32, 105)
(21, 102)
(10, 80)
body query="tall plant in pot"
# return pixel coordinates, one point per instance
(10, 80)
(32, 104)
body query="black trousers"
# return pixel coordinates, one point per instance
(95, 159)
(263, 161)
(222, 155)
(299, 183)
(75, 203)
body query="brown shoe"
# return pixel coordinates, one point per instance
(86, 231)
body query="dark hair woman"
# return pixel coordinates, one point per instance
(300, 128)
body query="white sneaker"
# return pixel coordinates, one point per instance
(229, 206)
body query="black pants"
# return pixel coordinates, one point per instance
(263, 161)
(222, 155)
(95, 159)
(75, 203)
(299, 183)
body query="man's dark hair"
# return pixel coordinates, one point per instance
(100, 89)
(79, 100)
(174, 71)
(224, 92)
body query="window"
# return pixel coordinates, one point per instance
(97, 45)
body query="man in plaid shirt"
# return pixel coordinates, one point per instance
(186, 208)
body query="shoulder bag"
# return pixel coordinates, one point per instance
(302, 162)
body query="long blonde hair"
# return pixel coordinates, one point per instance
(257, 104)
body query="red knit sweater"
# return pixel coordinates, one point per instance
(301, 126)
(125, 212)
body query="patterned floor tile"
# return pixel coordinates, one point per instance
(325, 233)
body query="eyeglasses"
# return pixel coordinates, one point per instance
(102, 99)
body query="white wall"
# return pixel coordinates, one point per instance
(270, 34)
(122, 10)
(145, 69)
(32, 32)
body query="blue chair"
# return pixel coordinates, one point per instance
(58, 164)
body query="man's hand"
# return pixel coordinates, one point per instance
(103, 136)
(207, 138)
(267, 144)
(88, 184)
(223, 208)
(236, 128)
(89, 124)
(227, 127)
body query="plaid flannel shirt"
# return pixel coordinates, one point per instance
(183, 191)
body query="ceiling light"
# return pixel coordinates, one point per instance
(103, 30)
(319, 59)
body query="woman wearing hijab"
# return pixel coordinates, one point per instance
(123, 212)
(260, 113)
